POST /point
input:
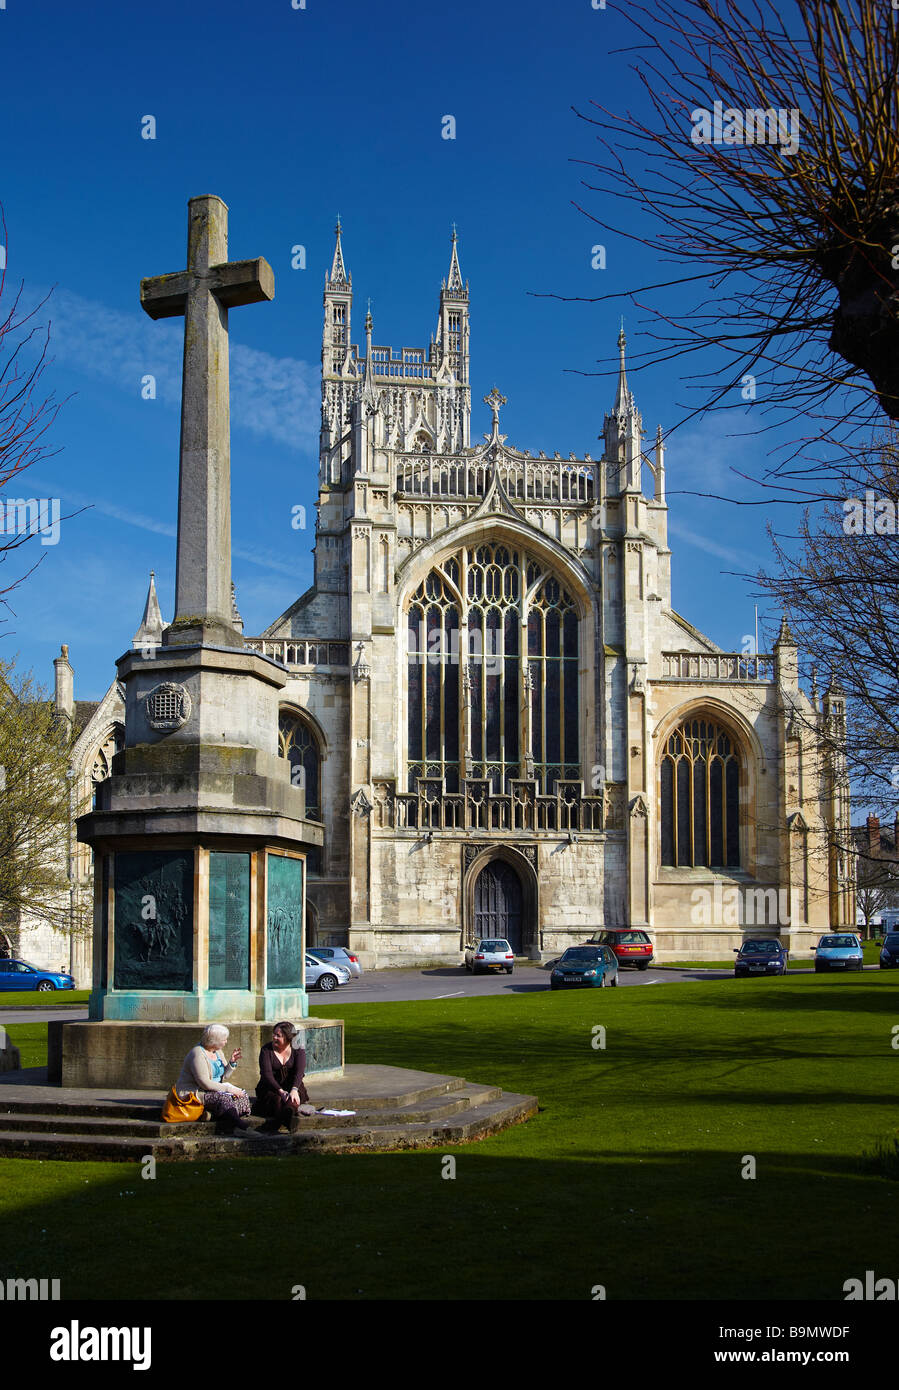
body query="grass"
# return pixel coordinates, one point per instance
(30, 999)
(629, 1177)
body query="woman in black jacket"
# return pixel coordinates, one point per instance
(281, 1092)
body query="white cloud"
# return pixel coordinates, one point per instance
(276, 397)
(74, 500)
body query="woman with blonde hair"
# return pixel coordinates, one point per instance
(205, 1074)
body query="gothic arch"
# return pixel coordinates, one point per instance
(493, 529)
(98, 763)
(751, 762)
(530, 887)
(300, 743)
(307, 717)
(737, 724)
(312, 924)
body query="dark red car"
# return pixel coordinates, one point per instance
(631, 945)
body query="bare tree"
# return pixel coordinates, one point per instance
(838, 581)
(25, 416)
(876, 888)
(768, 170)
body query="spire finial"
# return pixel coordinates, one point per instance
(338, 274)
(495, 400)
(454, 279)
(622, 399)
(149, 635)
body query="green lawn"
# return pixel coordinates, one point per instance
(629, 1177)
(30, 999)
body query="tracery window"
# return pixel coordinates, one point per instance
(101, 767)
(482, 708)
(700, 796)
(298, 744)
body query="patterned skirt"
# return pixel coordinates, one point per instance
(222, 1105)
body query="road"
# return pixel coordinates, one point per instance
(455, 982)
(441, 982)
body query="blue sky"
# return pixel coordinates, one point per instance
(291, 116)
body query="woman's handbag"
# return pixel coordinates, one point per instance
(176, 1111)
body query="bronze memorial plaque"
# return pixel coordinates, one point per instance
(229, 920)
(285, 922)
(154, 894)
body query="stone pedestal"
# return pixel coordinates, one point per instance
(199, 840)
(148, 1056)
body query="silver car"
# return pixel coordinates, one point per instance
(490, 953)
(323, 975)
(340, 956)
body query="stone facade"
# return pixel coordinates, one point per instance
(405, 500)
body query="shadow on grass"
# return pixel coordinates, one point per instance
(670, 1225)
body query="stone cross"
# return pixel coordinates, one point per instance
(203, 294)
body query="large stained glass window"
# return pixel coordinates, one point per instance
(477, 708)
(700, 795)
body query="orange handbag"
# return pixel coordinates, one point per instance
(176, 1111)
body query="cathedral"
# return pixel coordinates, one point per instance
(496, 714)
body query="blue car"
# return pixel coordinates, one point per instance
(18, 975)
(762, 956)
(889, 952)
(585, 967)
(839, 951)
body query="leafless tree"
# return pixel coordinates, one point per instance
(25, 414)
(838, 581)
(798, 240)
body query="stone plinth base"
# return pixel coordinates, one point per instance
(149, 1056)
(204, 1006)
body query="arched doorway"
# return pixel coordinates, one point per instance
(499, 904)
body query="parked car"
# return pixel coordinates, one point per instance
(762, 956)
(19, 975)
(588, 967)
(340, 955)
(490, 953)
(631, 945)
(889, 951)
(328, 976)
(839, 951)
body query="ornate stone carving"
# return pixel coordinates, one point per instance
(471, 852)
(168, 706)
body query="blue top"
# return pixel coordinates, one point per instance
(218, 1064)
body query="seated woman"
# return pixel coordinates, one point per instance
(206, 1073)
(281, 1092)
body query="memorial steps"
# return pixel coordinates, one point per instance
(395, 1108)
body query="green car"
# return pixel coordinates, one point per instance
(585, 967)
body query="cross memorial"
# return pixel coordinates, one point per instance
(203, 294)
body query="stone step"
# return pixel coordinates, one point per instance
(489, 1113)
(403, 1088)
(45, 1118)
(475, 1123)
(417, 1111)
(24, 1144)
